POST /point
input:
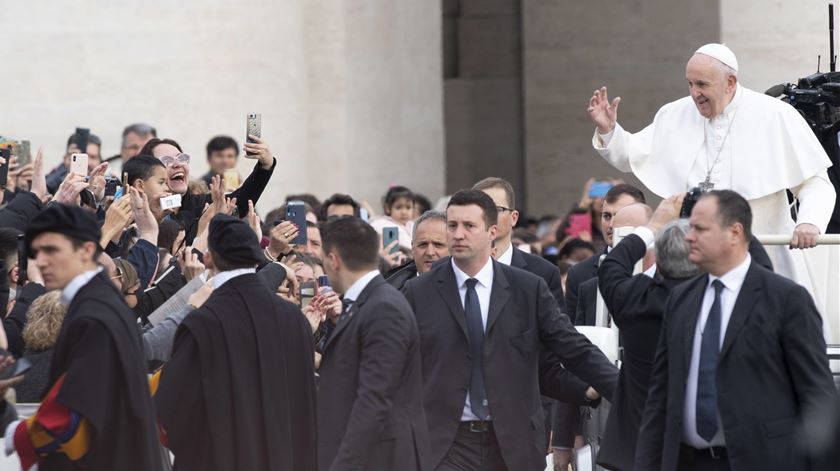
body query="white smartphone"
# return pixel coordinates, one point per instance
(170, 202)
(79, 164)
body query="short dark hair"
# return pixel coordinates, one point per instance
(337, 199)
(480, 199)
(140, 167)
(624, 189)
(220, 143)
(354, 241)
(421, 203)
(732, 208)
(149, 148)
(396, 192)
(496, 182)
(168, 234)
(92, 139)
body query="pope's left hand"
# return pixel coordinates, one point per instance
(804, 236)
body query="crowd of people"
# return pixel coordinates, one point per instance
(422, 338)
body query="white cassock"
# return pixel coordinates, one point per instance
(762, 147)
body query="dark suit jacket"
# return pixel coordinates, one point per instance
(587, 302)
(772, 374)
(400, 275)
(580, 272)
(636, 303)
(543, 269)
(370, 405)
(523, 317)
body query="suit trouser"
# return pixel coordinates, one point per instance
(475, 449)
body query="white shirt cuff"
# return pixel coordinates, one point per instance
(9, 436)
(646, 235)
(605, 138)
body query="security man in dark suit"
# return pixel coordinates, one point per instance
(636, 303)
(370, 403)
(741, 366)
(617, 197)
(502, 193)
(482, 325)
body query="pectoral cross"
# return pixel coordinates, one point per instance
(706, 184)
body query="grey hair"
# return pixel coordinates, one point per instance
(141, 129)
(431, 214)
(672, 251)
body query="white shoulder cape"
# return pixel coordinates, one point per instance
(772, 147)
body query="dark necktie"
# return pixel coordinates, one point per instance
(707, 408)
(346, 305)
(475, 328)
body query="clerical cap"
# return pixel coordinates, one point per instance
(234, 240)
(721, 53)
(69, 220)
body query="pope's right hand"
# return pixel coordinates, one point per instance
(602, 112)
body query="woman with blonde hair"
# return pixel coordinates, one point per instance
(43, 323)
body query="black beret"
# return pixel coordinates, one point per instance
(69, 220)
(234, 240)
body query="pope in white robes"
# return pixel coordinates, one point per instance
(725, 136)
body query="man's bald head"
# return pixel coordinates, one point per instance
(633, 215)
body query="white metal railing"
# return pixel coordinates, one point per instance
(784, 239)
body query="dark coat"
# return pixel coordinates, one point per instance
(772, 375)
(192, 206)
(239, 390)
(636, 304)
(370, 404)
(100, 356)
(400, 276)
(523, 318)
(36, 380)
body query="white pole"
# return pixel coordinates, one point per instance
(784, 239)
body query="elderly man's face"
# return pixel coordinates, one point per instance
(710, 88)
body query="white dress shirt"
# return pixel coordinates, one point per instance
(482, 289)
(225, 276)
(356, 288)
(506, 257)
(69, 292)
(732, 282)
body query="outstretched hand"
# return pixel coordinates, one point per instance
(602, 112)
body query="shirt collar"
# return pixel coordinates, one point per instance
(733, 279)
(507, 257)
(356, 289)
(225, 276)
(69, 292)
(484, 276)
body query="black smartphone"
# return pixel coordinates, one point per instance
(81, 140)
(20, 367)
(296, 212)
(6, 153)
(23, 262)
(111, 185)
(390, 234)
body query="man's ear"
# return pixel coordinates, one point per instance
(493, 231)
(208, 261)
(514, 218)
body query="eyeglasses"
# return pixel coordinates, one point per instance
(119, 274)
(502, 209)
(179, 159)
